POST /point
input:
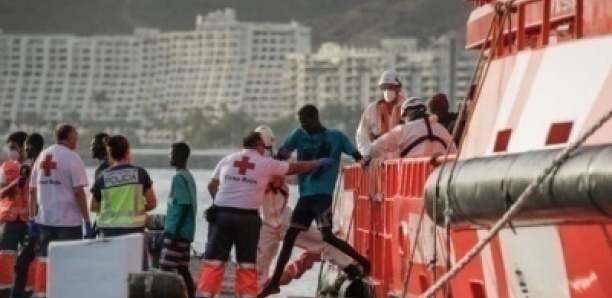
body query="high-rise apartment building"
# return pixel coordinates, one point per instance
(65, 77)
(348, 75)
(151, 75)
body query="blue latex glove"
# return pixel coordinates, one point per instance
(283, 153)
(365, 162)
(21, 181)
(33, 228)
(89, 231)
(326, 161)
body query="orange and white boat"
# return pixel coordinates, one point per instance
(542, 88)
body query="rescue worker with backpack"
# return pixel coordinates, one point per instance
(383, 115)
(276, 220)
(418, 137)
(14, 212)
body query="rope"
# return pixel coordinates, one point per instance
(413, 253)
(516, 206)
(477, 75)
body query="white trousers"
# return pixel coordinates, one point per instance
(311, 240)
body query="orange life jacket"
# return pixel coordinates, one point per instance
(387, 120)
(14, 203)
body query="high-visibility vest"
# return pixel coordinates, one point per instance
(122, 207)
(14, 203)
(386, 120)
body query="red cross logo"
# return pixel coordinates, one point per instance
(48, 165)
(244, 165)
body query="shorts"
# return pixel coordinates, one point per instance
(315, 207)
(174, 255)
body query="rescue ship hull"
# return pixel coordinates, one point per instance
(544, 80)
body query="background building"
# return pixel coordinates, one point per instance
(163, 85)
(150, 76)
(349, 75)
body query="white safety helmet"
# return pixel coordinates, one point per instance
(266, 134)
(389, 76)
(413, 103)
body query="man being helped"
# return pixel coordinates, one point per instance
(180, 218)
(123, 193)
(13, 208)
(314, 141)
(381, 116)
(418, 137)
(237, 188)
(24, 265)
(276, 215)
(58, 179)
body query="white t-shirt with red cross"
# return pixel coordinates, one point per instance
(243, 178)
(57, 172)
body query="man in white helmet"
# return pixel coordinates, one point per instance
(276, 217)
(381, 116)
(417, 137)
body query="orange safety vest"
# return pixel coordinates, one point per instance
(387, 120)
(14, 203)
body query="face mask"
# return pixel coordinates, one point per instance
(389, 95)
(13, 155)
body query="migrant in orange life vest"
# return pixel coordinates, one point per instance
(13, 208)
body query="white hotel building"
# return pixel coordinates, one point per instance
(348, 75)
(151, 75)
(265, 69)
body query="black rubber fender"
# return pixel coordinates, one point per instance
(480, 190)
(357, 288)
(156, 285)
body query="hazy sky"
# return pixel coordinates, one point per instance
(331, 20)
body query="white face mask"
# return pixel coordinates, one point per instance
(13, 155)
(389, 95)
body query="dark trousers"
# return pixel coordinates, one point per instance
(12, 235)
(49, 234)
(22, 266)
(234, 227)
(113, 232)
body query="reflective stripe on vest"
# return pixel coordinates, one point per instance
(122, 207)
(13, 204)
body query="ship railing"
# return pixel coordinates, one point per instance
(386, 200)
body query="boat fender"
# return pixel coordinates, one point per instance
(482, 189)
(330, 281)
(357, 288)
(156, 285)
